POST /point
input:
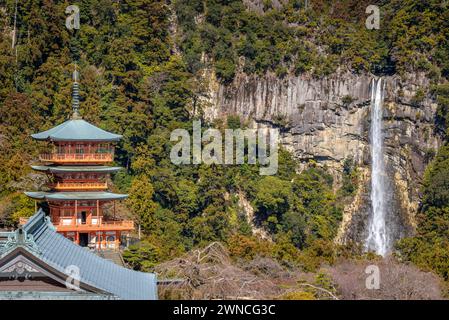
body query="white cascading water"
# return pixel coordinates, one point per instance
(377, 239)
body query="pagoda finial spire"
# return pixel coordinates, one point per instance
(75, 94)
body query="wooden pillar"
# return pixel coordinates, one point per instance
(98, 212)
(114, 209)
(76, 212)
(97, 240)
(89, 217)
(35, 206)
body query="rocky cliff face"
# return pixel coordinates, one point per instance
(328, 120)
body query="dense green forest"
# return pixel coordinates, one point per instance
(139, 62)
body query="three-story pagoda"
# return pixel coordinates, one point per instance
(78, 170)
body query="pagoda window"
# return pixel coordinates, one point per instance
(66, 213)
(79, 148)
(103, 148)
(60, 148)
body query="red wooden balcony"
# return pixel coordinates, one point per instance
(77, 157)
(99, 224)
(80, 186)
(123, 225)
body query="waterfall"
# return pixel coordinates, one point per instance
(378, 238)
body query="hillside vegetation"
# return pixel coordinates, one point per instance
(139, 62)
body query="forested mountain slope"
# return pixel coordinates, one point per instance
(146, 69)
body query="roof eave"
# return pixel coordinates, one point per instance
(61, 139)
(35, 195)
(53, 196)
(67, 169)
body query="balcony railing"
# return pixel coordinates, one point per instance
(79, 185)
(102, 225)
(77, 157)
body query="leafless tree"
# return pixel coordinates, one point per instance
(397, 281)
(210, 274)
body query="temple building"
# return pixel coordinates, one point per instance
(78, 168)
(38, 263)
(44, 257)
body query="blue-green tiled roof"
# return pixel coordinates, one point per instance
(60, 169)
(59, 253)
(76, 130)
(94, 195)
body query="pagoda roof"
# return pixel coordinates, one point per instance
(61, 169)
(76, 130)
(41, 249)
(65, 196)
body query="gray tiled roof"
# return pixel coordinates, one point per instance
(59, 252)
(76, 130)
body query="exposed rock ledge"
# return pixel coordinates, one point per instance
(328, 120)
